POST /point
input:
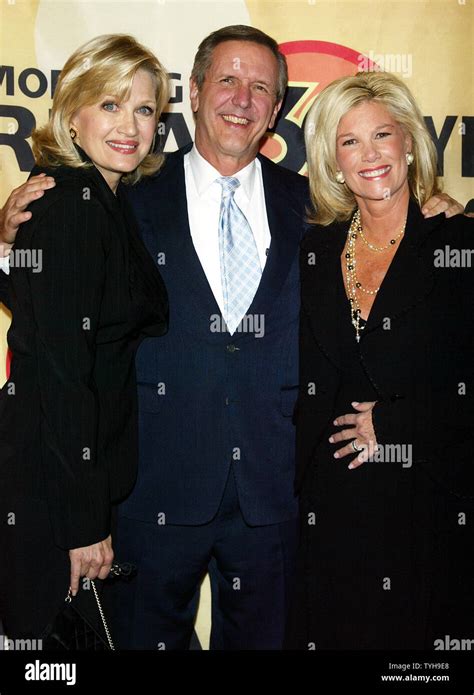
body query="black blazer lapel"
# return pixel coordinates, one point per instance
(321, 279)
(175, 217)
(286, 222)
(143, 271)
(409, 279)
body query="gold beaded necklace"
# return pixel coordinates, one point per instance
(371, 246)
(352, 283)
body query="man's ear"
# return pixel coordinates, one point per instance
(276, 109)
(194, 95)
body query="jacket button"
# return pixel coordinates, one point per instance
(232, 348)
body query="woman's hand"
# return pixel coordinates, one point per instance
(442, 202)
(91, 561)
(361, 431)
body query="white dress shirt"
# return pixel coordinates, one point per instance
(5, 264)
(204, 194)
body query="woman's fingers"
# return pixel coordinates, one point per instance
(348, 449)
(361, 433)
(93, 567)
(368, 449)
(364, 406)
(351, 418)
(342, 435)
(348, 419)
(92, 562)
(75, 574)
(359, 460)
(104, 571)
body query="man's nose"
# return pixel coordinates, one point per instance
(242, 96)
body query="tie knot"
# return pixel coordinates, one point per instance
(229, 185)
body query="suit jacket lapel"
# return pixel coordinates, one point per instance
(284, 219)
(286, 227)
(406, 283)
(321, 279)
(408, 279)
(175, 213)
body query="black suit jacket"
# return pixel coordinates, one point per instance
(417, 348)
(68, 412)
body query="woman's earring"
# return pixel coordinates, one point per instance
(410, 158)
(72, 133)
(340, 177)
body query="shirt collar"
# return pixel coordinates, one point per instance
(205, 174)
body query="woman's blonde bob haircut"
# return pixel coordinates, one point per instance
(103, 66)
(333, 201)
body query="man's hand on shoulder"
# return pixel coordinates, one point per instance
(13, 212)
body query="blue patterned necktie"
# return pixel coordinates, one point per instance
(240, 264)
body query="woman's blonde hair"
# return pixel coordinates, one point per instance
(104, 65)
(334, 201)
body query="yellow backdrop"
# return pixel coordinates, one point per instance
(430, 43)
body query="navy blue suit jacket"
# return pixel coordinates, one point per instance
(208, 399)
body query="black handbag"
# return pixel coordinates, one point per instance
(81, 623)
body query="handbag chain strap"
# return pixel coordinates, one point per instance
(102, 616)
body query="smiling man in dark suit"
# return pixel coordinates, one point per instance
(215, 484)
(216, 394)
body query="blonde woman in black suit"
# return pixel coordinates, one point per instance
(385, 410)
(68, 441)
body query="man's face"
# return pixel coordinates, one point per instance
(236, 105)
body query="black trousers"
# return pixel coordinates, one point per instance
(251, 571)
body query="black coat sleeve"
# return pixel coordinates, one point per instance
(318, 384)
(439, 421)
(4, 295)
(66, 297)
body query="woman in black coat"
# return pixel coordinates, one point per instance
(83, 293)
(385, 412)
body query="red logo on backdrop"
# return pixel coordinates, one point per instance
(312, 65)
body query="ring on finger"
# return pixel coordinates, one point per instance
(356, 448)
